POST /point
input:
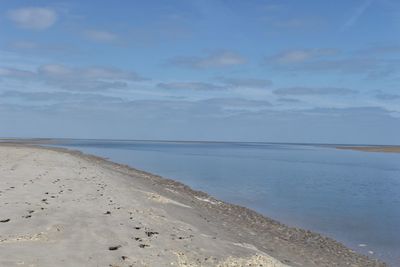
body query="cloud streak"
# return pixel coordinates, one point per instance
(221, 59)
(331, 60)
(223, 83)
(357, 14)
(58, 97)
(387, 97)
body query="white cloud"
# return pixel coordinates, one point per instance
(58, 71)
(245, 82)
(362, 62)
(24, 45)
(314, 91)
(295, 23)
(110, 73)
(58, 97)
(14, 73)
(240, 103)
(35, 18)
(223, 83)
(199, 86)
(76, 79)
(212, 60)
(101, 36)
(55, 70)
(294, 56)
(299, 56)
(36, 48)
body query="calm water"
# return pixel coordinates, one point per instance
(351, 196)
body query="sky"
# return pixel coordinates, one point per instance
(262, 70)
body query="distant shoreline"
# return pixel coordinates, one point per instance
(382, 149)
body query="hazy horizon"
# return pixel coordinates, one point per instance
(191, 141)
(254, 71)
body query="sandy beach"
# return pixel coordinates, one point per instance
(64, 208)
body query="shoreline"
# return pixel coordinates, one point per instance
(289, 245)
(382, 149)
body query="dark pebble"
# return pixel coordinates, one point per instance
(114, 247)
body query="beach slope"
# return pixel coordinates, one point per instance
(63, 208)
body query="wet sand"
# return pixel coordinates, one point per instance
(64, 208)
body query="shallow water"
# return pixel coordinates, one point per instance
(351, 196)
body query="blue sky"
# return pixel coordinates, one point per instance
(279, 71)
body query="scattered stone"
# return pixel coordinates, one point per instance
(151, 233)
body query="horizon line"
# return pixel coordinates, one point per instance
(189, 141)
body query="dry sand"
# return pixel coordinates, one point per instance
(63, 208)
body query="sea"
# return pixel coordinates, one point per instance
(351, 196)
